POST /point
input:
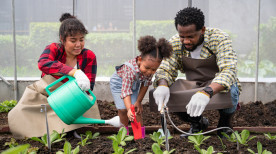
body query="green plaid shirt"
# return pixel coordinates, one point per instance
(219, 43)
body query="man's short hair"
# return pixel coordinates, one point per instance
(189, 16)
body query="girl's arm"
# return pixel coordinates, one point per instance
(142, 92)
(127, 101)
(141, 95)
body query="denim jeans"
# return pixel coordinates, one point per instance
(235, 99)
(116, 89)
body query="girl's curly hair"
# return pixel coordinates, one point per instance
(148, 45)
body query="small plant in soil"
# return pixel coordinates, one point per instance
(260, 149)
(222, 145)
(269, 136)
(243, 137)
(83, 141)
(156, 137)
(22, 149)
(120, 140)
(88, 135)
(210, 150)
(197, 140)
(157, 149)
(6, 106)
(12, 143)
(54, 138)
(67, 149)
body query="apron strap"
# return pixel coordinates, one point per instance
(132, 67)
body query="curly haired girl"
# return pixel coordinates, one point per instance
(131, 80)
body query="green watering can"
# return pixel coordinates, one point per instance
(69, 102)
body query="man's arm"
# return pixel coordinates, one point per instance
(227, 63)
(168, 69)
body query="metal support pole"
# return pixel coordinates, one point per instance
(44, 108)
(74, 1)
(257, 51)
(190, 3)
(134, 28)
(1, 77)
(14, 51)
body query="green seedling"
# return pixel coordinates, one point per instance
(67, 149)
(11, 144)
(17, 149)
(84, 142)
(6, 106)
(210, 150)
(260, 149)
(32, 150)
(88, 135)
(222, 145)
(156, 137)
(197, 140)
(120, 139)
(54, 138)
(91, 136)
(243, 137)
(157, 149)
(269, 136)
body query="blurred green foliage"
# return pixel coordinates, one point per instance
(114, 48)
(6, 106)
(267, 56)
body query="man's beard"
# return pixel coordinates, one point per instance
(201, 39)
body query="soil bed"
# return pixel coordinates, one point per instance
(253, 114)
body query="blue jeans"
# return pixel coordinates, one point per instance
(116, 90)
(235, 99)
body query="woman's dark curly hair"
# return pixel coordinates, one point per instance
(148, 45)
(189, 16)
(70, 26)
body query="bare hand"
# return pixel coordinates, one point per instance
(130, 115)
(138, 108)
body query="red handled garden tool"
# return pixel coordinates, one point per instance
(136, 126)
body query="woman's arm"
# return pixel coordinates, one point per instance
(49, 62)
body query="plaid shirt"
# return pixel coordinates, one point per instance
(128, 76)
(53, 59)
(219, 43)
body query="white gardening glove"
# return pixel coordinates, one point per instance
(197, 104)
(82, 80)
(161, 95)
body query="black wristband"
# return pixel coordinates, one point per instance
(209, 91)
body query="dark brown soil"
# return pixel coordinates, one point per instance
(251, 115)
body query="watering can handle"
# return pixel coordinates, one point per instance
(55, 82)
(94, 97)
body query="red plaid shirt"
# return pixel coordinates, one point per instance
(128, 75)
(53, 59)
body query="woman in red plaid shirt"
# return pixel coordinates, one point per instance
(131, 80)
(70, 57)
(66, 58)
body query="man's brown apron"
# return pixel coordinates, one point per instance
(199, 74)
(26, 120)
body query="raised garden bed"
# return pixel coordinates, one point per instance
(254, 116)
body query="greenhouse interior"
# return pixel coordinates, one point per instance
(31, 35)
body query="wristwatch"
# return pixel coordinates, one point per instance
(209, 91)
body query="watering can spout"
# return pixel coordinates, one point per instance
(115, 121)
(84, 120)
